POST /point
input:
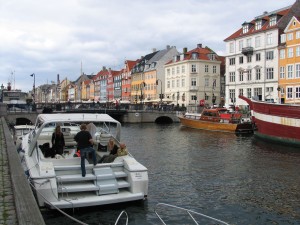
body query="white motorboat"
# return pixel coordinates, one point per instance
(58, 182)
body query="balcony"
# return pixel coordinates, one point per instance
(193, 88)
(247, 51)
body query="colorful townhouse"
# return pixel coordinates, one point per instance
(126, 81)
(252, 61)
(289, 63)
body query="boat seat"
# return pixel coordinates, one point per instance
(103, 138)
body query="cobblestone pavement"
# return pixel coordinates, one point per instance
(7, 204)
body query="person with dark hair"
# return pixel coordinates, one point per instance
(84, 144)
(58, 141)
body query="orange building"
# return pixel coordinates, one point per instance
(289, 63)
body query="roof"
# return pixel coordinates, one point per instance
(76, 117)
(265, 26)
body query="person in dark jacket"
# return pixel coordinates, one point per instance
(58, 141)
(84, 144)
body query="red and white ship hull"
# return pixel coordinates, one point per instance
(276, 122)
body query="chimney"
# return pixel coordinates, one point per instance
(184, 50)
(153, 49)
(199, 45)
(103, 68)
(168, 46)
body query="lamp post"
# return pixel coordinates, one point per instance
(177, 97)
(161, 97)
(33, 75)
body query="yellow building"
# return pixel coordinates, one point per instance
(289, 63)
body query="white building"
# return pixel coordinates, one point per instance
(252, 58)
(194, 77)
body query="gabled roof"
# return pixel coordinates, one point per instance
(265, 26)
(140, 66)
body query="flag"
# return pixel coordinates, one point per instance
(214, 83)
(32, 75)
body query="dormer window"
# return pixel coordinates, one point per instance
(153, 64)
(212, 56)
(258, 24)
(245, 28)
(273, 20)
(194, 55)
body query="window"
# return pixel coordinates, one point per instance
(245, 28)
(206, 82)
(248, 41)
(193, 82)
(282, 72)
(269, 55)
(177, 69)
(249, 58)
(270, 73)
(257, 56)
(241, 76)
(173, 83)
(297, 72)
(289, 92)
(182, 69)
(232, 95)
(182, 82)
(194, 68)
(273, 21)
(258, 92)
(269, 89)
(258, 25)
(283, 38)
(168, 84)
(297, 92)
(214, 69)
(249, 75)
(231, 48)
(290, 52)
(282, 53)
(249, 94)
(269, 39)
(232, 61)
(241, 92)
(257, 74)
(206, 68)
(297, 51)
(194, 97)
(240, 45)
(168, 72)
(290, 69)
(173, 71)
(290, 36)
(231, 76)
(241, 59)
(257, 41)
(297, 34)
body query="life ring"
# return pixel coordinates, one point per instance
(137, 114)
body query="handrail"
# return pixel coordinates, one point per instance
(123, 212)
(189, 212)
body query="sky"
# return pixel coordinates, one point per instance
(66, 37)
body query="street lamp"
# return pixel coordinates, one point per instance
(161, 97)
(33, 75)
(177, 97)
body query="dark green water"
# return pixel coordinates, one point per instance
(237, 179)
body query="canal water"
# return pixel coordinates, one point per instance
(237, 179)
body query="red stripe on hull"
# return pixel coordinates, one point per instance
(287, 133)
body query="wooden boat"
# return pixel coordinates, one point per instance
(276, 122)
(217, 119)
(58, 182)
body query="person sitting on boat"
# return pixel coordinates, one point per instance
(58, 141)
(122, 150)
(84, 144)
(113, 150)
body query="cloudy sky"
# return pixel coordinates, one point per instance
(57, 37)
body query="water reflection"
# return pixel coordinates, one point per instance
(237, 179)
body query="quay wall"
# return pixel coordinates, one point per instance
(26, 208)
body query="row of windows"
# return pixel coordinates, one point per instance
(290, 71)
(269, 56)
(290, 52)
(248, 42)
(289, 37)
(247, 75)
(193, 69)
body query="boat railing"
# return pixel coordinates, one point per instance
(121, 215)
(191, 214)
